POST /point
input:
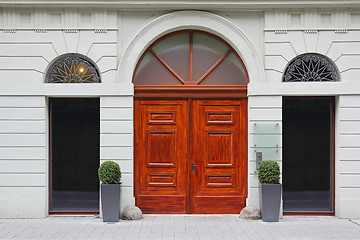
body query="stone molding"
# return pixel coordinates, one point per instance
(209, 4)
(57, 18)
(197, 20)
(308, 20)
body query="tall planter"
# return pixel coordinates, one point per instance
(110, 175)
(271, 199)
(269, 176)
(110, 202)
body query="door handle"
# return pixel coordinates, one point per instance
(193, 167)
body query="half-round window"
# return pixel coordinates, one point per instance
(190, 58)
(311, 68)
(72, 69)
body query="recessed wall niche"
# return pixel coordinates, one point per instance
(325, 18)
(85, 17)
(295, 19)
(55, 18)
(25, 18)
(355, 18)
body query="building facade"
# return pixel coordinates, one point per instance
(184, 146)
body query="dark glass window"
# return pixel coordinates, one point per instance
(190, 58)
(311, 68)
(72, 69)
(74, 154)
(308, 154)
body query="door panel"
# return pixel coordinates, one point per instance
(173, 135)
(161, 155)
(219, 153)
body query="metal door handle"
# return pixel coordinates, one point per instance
(193, 167)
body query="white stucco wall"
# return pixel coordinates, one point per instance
(30, 41)
(348, 156)
(335, 34)
(264, 121)
(116, 140)
(23, 166)
(32, 37)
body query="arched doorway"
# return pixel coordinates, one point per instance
(74, 139)
(308, 139)
(190, 148)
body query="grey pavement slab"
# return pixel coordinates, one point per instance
(173, 227)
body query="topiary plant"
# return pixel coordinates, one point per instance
(269, 172)
(109, 173)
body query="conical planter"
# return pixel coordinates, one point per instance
(110, 202)
(271, 197)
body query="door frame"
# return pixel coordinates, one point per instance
(185, 92)
(223, 92)
(50, 158)
(332, 171)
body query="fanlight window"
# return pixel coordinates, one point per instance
(310, 68)
(73, 69)
(190, 58)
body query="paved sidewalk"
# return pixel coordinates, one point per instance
(181, 227)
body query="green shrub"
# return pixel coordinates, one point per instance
(109, 173)
(269, 172)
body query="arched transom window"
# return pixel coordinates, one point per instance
(72, 69)
(311, 68)
(190, 58)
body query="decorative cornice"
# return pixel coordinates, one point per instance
(40, 30)
(100, 31)
(341, 31)
(9, 31)
(63, 18)
(280, 31)
(310, 31)
(176, 4)
(71, 31)
(310, 21)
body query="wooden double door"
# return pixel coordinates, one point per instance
(190, 155)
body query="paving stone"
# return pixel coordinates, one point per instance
(181, 227)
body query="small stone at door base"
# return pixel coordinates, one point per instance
(251, 213)
(131, 213)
